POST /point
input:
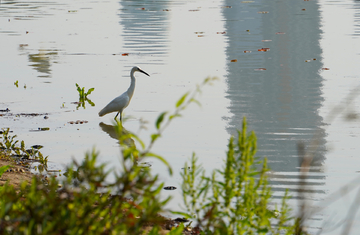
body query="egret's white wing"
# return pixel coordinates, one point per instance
(116, 105)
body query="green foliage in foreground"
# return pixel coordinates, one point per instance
(10, 149)
(3, 169)
(237, 202)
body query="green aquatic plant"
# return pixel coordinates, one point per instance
(83, 96)
(12, 150)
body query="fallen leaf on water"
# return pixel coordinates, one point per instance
(226, 7)
(264, 49)
(260, 69)
(325, 69)
(166, 10)
(42, 129)
(307, 60)
(314, 59)
(221, 32)
(125, 54)
(303, 9)
(235, 60)
(247, 51)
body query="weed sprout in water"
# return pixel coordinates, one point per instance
(83, 96)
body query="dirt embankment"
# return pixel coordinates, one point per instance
(15, 175)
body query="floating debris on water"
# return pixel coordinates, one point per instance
(264, 49)
(42, 129)
(78, 122)
(5, 110)
(181, 220)
(170, 188)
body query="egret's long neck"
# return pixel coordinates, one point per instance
(131, 89)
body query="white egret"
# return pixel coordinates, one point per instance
(121, 102)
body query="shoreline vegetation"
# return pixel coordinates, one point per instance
(235, 199)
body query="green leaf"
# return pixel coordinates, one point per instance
(178, 230)
(182, 214)
(90, 90)
(138, 140)
(78, 87)
(160, 119)
(154, 137)
(196, 102)
(181, 100)
(173, 116)
(22, 145)
(3, 169)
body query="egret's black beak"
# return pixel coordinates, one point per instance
(144, 72)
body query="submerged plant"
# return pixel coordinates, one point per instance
(83, 96)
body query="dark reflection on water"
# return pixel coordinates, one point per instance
(145, 27)
(357, 18)
(42, 61)
(111, 131)
(281, 103)
(25, 10)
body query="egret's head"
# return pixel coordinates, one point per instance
(138, 69)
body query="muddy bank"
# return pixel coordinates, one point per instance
(15, 175)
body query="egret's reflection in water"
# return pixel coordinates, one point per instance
(124, 138)
(111, 130)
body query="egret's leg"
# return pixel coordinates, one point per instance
(117, 115)
(120, 116)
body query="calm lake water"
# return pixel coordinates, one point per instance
(287, 93)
